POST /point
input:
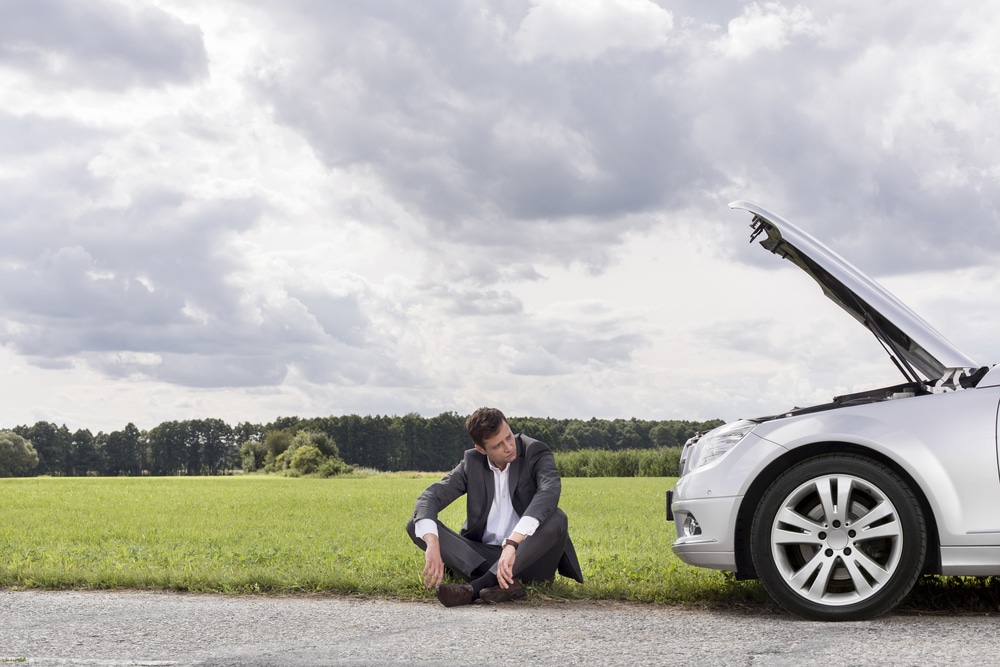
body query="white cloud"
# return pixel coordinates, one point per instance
(768, 27)
(583, 30)
(99, 44)
(310, 208)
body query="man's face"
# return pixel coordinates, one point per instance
(500, 447)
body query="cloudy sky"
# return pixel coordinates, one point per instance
(307, 207)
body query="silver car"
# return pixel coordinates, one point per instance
(838, 508)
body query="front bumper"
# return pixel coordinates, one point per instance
(705, 529)
(705, 503)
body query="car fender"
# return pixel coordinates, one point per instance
(960, 482)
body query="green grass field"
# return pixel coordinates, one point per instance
(248, 534)
(271, 534)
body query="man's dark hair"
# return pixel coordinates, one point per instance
(483, 423)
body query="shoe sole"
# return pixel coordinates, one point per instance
(503, 597)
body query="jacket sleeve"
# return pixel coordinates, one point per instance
(542, 466)
(439, 495)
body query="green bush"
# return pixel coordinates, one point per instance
(276, 444)
(306, 460)
(17, 456)
(319, 453)
(252, 454)
(662, 462)
(659, 462)
(333, 466)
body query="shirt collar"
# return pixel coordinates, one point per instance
(496, 469)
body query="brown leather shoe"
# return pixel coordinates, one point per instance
(496, 594)
(453, 595)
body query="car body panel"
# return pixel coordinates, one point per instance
(713, 495)
(991, 379)
(960, 480)
(970, 561)
(920, 344)
(715, 549)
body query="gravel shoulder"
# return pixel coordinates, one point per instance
(153, 628)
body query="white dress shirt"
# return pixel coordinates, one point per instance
(502, 519)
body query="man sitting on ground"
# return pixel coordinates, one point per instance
(514, 532)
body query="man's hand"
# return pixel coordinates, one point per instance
(433, 573)
(505, 566)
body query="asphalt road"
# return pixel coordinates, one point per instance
(141, 628)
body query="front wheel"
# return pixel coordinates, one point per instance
(838, 538)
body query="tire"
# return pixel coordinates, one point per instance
(838, 538)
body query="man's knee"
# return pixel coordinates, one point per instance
(551, 535)
(556, 525)
(543, 550)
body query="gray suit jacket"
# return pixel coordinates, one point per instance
(535, 486)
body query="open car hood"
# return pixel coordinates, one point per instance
(914, 345)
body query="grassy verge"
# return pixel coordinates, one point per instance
(280, 535)
(256, 534)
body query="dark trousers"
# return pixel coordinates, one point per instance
(537, 557)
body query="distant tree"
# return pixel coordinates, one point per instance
(217, 449)
(378, 450)
(591, 434)
(409, 442)
(168, 448)
(86, 457)
(193, 447)
(17, 456)
(123, 451)
(349, 433)
(630, 435)
(662, 436)
(447, 441)
(276, 443)
(283, 424)
(252, 454)
(52, 443)
(247, 431)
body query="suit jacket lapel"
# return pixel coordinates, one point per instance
(489, 489)
(488, 484)
(517, 468)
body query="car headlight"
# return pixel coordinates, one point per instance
(701, 451)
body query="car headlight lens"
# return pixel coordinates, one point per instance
(714, 444)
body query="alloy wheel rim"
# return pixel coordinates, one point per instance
(836, 540)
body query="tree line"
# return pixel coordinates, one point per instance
(396, 443)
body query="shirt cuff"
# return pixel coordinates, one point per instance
(526, 526)
(425, 527)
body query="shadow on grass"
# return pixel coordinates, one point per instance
(953, 595)
(932, 595)
(721, 591)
